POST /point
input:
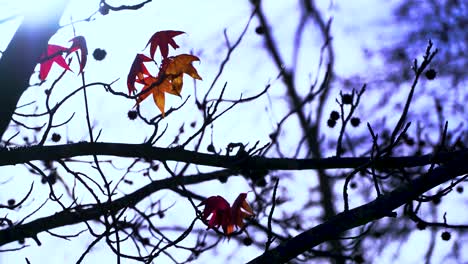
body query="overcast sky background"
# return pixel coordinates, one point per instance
(123, 34)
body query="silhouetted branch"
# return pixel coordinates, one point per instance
(88, 212)
(12, 156)
(380, 207)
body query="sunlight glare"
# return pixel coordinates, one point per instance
(37, 9)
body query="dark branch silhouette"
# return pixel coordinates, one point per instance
(13, 156)
(345, 169)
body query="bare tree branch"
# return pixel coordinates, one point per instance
(380, 207)
(13, 156)
(88, 212)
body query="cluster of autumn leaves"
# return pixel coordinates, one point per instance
(170, 76)
(168, 80)
(217, 212)
(225, 216)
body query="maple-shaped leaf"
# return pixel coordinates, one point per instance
(220, 212)
(157, 88)
(224, 215)
(175, 67)
(53, 54)
(181, 64)
(163, 39)
(138, 70)
(169, 79)
(79, 43)
(240, 210)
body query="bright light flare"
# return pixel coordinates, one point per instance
(38, 10)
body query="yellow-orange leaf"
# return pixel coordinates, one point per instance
(240, 210)
(159, 100)
(177, 83)
(182, 64)
(169, 80)
(157, 88)
(175, 67)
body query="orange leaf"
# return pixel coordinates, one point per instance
(159, 99)
(154, 86)
(182, 64)
(169, 80)
(176, 87)
(163, 39)
(175, 67)
(170, 76)
(149, 82)
(240, 210)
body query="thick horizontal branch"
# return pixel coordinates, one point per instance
(380, 207)
(80, 214)
(321, 233)
(25, 154)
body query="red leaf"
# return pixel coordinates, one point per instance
(138, 69)
(224, 215)
(54, 54)
(79, 43)
(220, 212)
(163, 39)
